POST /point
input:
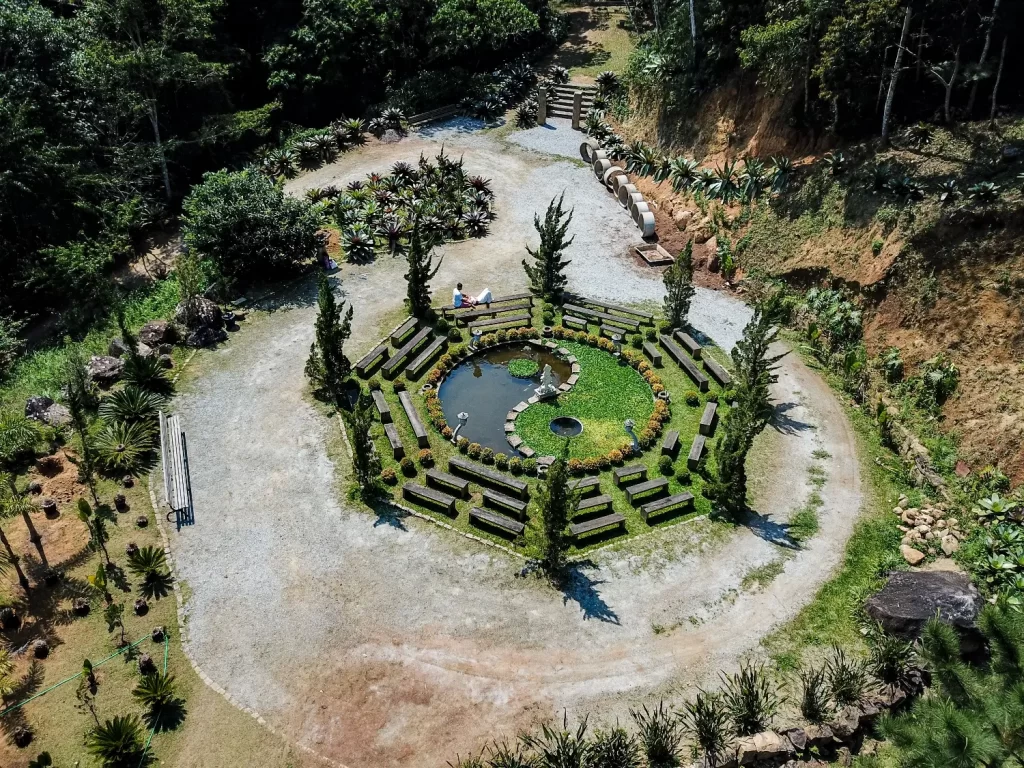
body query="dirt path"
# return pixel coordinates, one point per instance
(392, 643)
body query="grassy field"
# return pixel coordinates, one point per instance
(599, 39)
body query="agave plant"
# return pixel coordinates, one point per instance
(558, 75)
(753, 179)
(905, 188)
(340, 134)
(662, 168)
(608, 82)
(641, 158)
(526, 114)
(615, 146)
(835, 162)
(282, 162)
(596, 126)
(705, 179)
(358, 243)
(393, 117)
(726, 186)
(123, 447)
(984, 192)
(995, 508)
(132, 405)
(476, 223)
(781, 173)
(309, 155)
(682, 173)
(949, 191)
(600, 102)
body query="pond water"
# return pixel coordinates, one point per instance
(482, 387)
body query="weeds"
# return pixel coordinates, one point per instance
(751, 699)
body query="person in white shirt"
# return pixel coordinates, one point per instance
(460, 299)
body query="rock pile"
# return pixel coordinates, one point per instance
(926, 530)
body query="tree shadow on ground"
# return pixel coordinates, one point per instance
(767, 529)
(298, 294)
(457, 125)
(388, 514)
(785, 424)
(576, 50)
(579, 587)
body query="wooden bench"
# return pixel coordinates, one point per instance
(642, 489)
(575, 309)
(500, 500)
(451, 483)
(383, 409)
(685, 363)
(670, 445)
(576, 323)
(639, 471)
(666, 504)
(429, 497)
(422, 439)
(647, 317)
(392, 366)
(174, 458)
(397, 449)
(489, 311)
(523, 319)
(653, 353)
(496, 300)
(497, 519)
(696, 452)
(488, 476)
(611, 330)
(403, 331)
(689, 344)
(708, 419)
(613, 520)
(428, 354)
(379, 353)
(589, 506)
(718, 373)
(585, 485)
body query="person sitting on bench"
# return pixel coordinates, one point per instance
(460, 299)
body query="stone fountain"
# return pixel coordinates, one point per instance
(547, 388)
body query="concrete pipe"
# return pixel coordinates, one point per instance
(646, 224)
(587, 149)
(625, 190)
(632, 200)
(637, 209)
(599, 154)
(601, 167)
(618, 181)
(610, 174)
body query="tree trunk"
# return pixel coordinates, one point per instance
(891, 96)
(920, 45)
(881, 82)
(949, 86)
(693, 31)
(995, 88)
(155, 122)
(34, 537)
(982, 58)
(15, 561)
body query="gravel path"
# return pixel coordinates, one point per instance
(383, 642)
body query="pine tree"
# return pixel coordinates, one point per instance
(327, 367)
(557, 506)
(78, 394)
(421, 271)
(679, 289)
(365, 461)
(546, 274)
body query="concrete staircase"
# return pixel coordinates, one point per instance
(561, 106)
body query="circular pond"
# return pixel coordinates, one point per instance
(566, 426)
(483, 387)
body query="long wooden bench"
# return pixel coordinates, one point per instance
(496, 300)
(638, 471)
(642, 489)
(576, 323)
(613, 520)
(686, 363)
(585, 485)
(397, 449)
(647, 317)
(507, 503)
(498, 520)
(689, 344)
(426, 356)
(422, 439)
(666, 504)
(393, 365)
(402, 332)
(709, 418)
(379, 353)
(653, 353)
(488, 476)
(575, 309)
(589, 506)
(429, 497)
(491, 311)
(523, 319)
(383, 409)
(670, 445)
(718, 373)
(612, 330)
(696, 452)
(450, 483)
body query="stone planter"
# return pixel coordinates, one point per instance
(646, 224)
(612, 171)
(633, 199)
(49, 507)
(637, 209)
(587, 149)
(546, 332)
(601, 166)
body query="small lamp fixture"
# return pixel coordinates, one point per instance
(629, 424)
(463, 418)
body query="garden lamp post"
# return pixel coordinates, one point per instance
(617, 341)
(476, 334)
(463, 418)
(629, 431)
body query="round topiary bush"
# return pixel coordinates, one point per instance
(389, 476)
(475, 449)
(523, 368)
(692, 398)
(487, 456)
(426, 458)
(665, 466)
(530, 467)
(454, 334)
(501, 461)
(651, 334)
(637, 341)
(442, 325)
(463, 444)
(373, 384)
(515, 464)
(408, 468)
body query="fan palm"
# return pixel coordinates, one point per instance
(124, 447)
(682, 173)
(147, 560)
(12, 504)
(131, 404)
(156, 692)
(118, 743)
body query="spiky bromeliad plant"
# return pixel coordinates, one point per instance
(358, 243)
(608, 82)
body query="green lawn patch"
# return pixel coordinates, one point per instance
(523, 368)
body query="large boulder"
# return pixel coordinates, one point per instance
(205, 336)
(57, 415)
(157, 332)
(36, 406)
(117, 347)
(911, 598)
(207, 314)
(104, 371)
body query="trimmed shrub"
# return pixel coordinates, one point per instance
(575, 467)
(373, 384)
(487, 456)
(408, 468)
(398, 385)
(558, 331)
(475, 449)
(637, 341)
(713, 397)
(530, 467)
(389, 476)
(590, 466)
(454, 334)
(462, 444)
(425, 458)
(685, 478)
(665, 466)
(501, 336)
(446, 432)
(664, 327)
(657, 388)
(603, 462)
(547, 306)
(692, 398)
(515, 464)
(615, 457)
(442, 325)
(651, 334)
(548, 318)
(501, 461)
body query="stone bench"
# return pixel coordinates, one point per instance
(488, 476)
(426, 356)
(397, 449)
(380, 353)
(670, 445)
(597, 503)
(646, 317)
(429, 497)
(585, 485)
(652, 352)
(638, 471)
(612, 330)
(576, 323)
(642, 489)
(422, 439)
(491, 311)
(689, 344)
(523, 319)
(718, 373)
(451, 483)
(709, 418)
(496, 300)
(595, 315)
(402, 332)
(685, 363)
(696, 452)
(392, 366)
(613, 520)
(666, 504)
(498, 520)
(383, 409)
(507, 503)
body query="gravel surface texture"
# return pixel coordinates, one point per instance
(384, 641)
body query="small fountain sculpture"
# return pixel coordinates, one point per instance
(547, 388)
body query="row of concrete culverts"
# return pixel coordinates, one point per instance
(616, 181)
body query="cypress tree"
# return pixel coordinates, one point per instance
(679, 289)
(546, 274)
(78, 391)
(327, 366)
(365, 461)
(421, 271)
(557, 506)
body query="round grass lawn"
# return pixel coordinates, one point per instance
(605, 395)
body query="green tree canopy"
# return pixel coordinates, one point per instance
(462, 26)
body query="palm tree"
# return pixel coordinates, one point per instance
(118, 743)
(158, 694)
